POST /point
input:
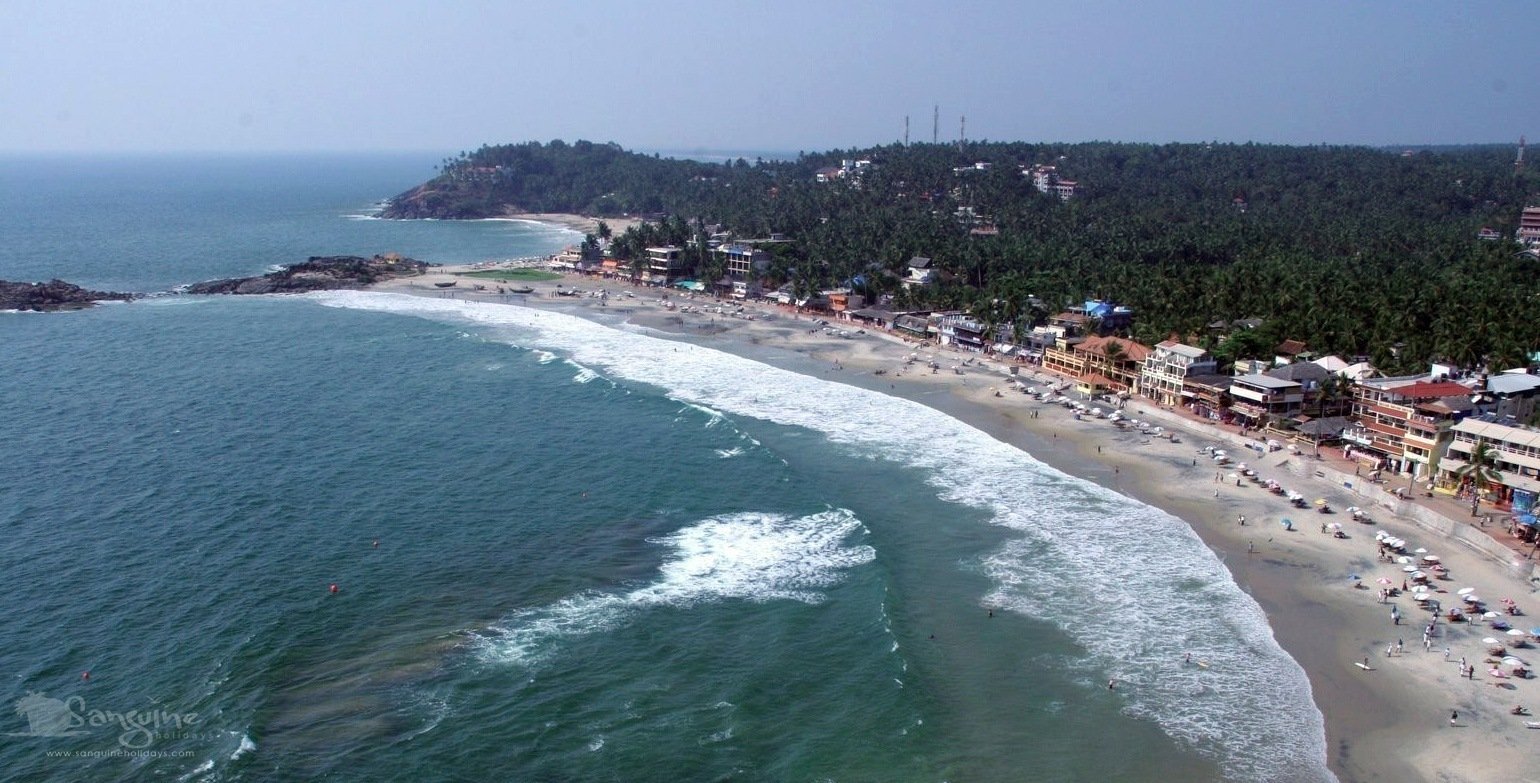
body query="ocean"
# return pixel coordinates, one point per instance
(562, 549)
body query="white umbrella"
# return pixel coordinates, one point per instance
(1466, 590)
(1512, 661)
(1489, 616)
(1430, 558)
(1421, 597)
(1421, 551)
(1515, 632)
(1408, 569)
(1379, 535)
(1490, 640)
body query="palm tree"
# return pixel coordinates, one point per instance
(1480, 471)
(1113, 352)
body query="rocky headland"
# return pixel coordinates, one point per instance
(318, 273)
(52, 295)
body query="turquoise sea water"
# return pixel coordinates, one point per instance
(600, 555)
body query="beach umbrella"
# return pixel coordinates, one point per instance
(1512, 661)
(1385, 580)
(1409, 568)
(1496, 672)
(1430, 558)
(1470, 599)
(1490, 640)
(1534, 632)
(1515, 632)
(1418, 575)
(1466, 590)
(1489, 615)
(1403, 560)
(1320, 501)
(1233, 477)
(1419, 597)
(1421, 551)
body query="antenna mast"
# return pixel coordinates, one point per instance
(935, 124)
(1518, 164)
(962, 131)
(906, 130)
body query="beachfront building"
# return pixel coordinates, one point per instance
(666, 265)
(1516, 453)
(1401, 423)
(913, 325)
(1258, 400)
(1209, 396)
(875, 317)
(1098, 365)
(963, 331)
(745, 266)
(842, 300)
(1167, 367)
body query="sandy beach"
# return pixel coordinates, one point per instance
(1390, 721)
(579, 223)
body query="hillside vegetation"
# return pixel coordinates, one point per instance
(1352, 249)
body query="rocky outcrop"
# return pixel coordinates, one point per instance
(52, 295)
(442, 201)
(318, 273)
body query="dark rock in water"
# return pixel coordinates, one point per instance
(52, 295)
(319, 273)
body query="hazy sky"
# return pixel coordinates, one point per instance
(771, 75)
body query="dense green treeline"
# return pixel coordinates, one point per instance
(1354, 250)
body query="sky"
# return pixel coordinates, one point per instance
(774, 75)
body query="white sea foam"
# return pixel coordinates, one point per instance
(246, 746)
(746, 556)
(199, 772)
(1132, 584)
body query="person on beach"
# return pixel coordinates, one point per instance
(1400, 647)
(1454, 715)
(1389, 650)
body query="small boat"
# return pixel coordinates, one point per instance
(449, 284)
(523, 289)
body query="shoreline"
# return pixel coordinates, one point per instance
(1387, 723)
(580, 223)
